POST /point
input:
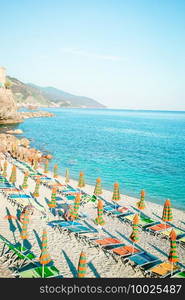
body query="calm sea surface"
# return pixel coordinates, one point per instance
(138, 149)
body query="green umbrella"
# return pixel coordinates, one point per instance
(53, 204)
(37, 185)
(67, 176)
(167, 211)
(173, 256)
(25, 181)
(5, 168)
(55, 171)
(141, 204)
(99, 220)
(98, 187)
(74, 211)
(24, 232)
(82, 265)
(44, 257)
(13, 174)
(46, 166)
(81, 181)
(135, 233)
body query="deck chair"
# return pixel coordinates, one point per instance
(158, 228)
(143, 220)
(61, 223)
(36, 272)
(179, 275)
(142, 259)
(163, 269)
(26, 255)
(179, 233)
(125, 251)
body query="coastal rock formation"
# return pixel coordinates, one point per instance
(16, 131)
(8, 107)
(35, 114)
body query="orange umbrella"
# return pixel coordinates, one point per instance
(44, 257)
(82, 265)
(55, 171)
(135, 233)
(173, 257)
(99, 220)
(141, 204)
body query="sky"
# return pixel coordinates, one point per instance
(127, 54)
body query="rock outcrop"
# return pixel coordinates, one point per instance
(8, 108)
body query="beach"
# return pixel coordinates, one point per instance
(65, 248)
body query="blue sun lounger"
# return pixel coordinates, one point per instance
(144, 258)
(16, 196)
(61, 223)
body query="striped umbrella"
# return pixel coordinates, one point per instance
(25, 181)
(55, 171)
(35, 166)
(53, 204)
(13, 174)
(44, 257)
(74, 211)
(141, 204)
(99, 220)
(82, 265)
(135, 232)
(46, 166)
(24, 232)
(67, 176)
(98, 187)
(81, 181)
(173, 256)
(37, 185)
(116, 192)
(167, 211)
(5, 168)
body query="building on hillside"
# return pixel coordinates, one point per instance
(2, 76)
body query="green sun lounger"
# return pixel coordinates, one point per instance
(49, 272)
(179, 275)
(143, 220)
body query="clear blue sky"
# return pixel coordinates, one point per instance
(126, 54)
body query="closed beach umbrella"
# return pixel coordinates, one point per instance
(173, 256)
(35, 166)
(25, 181)
(13, 174)
(46, 166)
(167, 211)
(5, 168)
(52, 203)
(82, 265)
(98, 187)
(81, 181)
(24, 232)
(141, 204)
(67, 176)
(74, 211)
(37, 185)
(99, 220)
(135, 232)
(116, 192)
(55, 171)
(44, 257)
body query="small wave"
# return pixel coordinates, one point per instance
(135, 132)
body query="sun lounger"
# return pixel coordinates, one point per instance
(179, 275)
(125, 251)
(108, 241)
(163, 269)
(21, 253)
(79, 229)
(157, 228)
(23, 196)
(143, 220)
(143, 258)
(61, 223)
(49, 272)
(179, 233)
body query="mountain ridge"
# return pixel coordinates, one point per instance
(32, 94)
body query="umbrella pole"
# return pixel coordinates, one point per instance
(43, 271)
(171, 269)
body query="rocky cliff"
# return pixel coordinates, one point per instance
(8, 108)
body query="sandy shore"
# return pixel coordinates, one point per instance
(65, 249)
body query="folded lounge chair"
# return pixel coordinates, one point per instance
(143, 258)
(179, 275)
(36, 272)
(163, 269)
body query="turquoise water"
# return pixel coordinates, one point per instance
(139, 149)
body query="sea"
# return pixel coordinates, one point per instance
(137, 149)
